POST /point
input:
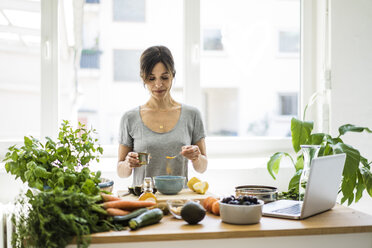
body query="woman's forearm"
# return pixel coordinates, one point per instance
(123, 169)
(200, 164)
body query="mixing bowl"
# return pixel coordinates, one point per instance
(169, 185)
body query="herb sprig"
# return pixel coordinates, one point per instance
(54, 218)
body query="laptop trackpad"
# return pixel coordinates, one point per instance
(283, 207)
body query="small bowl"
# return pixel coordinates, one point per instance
(264, 193)
(106, 184)
(241, 214)
(169, 185)
(175, 207)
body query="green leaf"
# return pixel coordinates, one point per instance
(295, 181)
(61, 182)
(301, 131)
(27, 141)
(350, 168)
(31, 165)
(28, 175)
(8, 166)
(351, 128)
(316, 138)
(274, 162)
(98, 174)
(40, 172)
(364, 161)
(89, 187)
(344, 198)
(14, 156)
(299, 163)
(359, 187)
(350, 199)
(85, 160)
(367, 178)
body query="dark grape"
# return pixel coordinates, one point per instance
(241, 200)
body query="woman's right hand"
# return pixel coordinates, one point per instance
(132, 160)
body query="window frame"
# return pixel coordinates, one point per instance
(49, 75)
(216, 146)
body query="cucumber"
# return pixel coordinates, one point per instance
(148, 218)
(126, 218)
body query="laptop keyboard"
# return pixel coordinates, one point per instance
(293, 210)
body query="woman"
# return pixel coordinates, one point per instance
(161, 127)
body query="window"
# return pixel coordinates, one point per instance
(90, 59)
(288, 104)
(129, 10)
(212, 40)
(126, 65)
(289, 42)
(117, 87)
(249, 66)
(239, 90)
(20, 70)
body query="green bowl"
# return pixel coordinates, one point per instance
(169, 185)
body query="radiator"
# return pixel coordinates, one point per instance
(6, 225)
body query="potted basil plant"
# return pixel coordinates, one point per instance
(62, 163)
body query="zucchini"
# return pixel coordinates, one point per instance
(126, 218)
(148, 218)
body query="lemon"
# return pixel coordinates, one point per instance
(201, 187)
(191, 182)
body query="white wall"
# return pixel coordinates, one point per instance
(351, 65)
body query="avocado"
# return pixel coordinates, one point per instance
(192, 212)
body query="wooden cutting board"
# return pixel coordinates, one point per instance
(184, 194)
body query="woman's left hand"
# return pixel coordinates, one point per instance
(191, 152)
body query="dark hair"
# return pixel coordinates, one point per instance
(153, 55)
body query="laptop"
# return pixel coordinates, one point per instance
(320, 194)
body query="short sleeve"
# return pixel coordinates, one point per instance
(198, 132)
(124, 132)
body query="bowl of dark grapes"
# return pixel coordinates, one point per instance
(241, 210)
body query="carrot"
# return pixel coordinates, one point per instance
(128, 205)
(116, 212)
(107, 197)
(216, 208)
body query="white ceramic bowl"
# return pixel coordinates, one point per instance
(241, 214)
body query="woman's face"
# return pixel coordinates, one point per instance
(159, 82)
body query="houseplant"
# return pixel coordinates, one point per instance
(357, 175)
(57, 163)
(63, 201)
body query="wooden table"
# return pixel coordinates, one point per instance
(339, 227)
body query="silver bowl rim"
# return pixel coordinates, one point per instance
(253, 189)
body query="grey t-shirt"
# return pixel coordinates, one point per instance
(188, 131)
